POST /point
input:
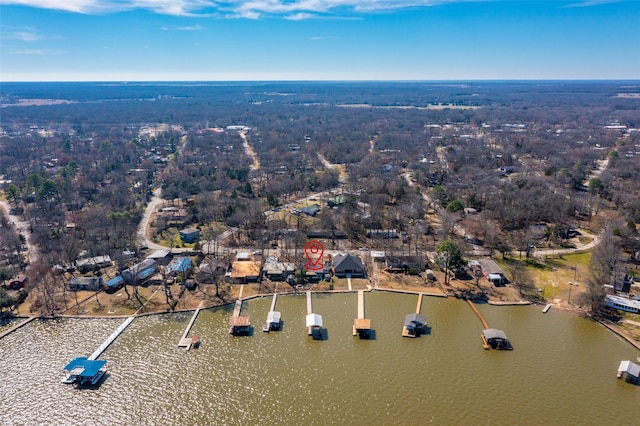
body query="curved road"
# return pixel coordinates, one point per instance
(22, 227)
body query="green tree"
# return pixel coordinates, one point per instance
(439, 195)
(12, 192)
(449, 259)
(595, 186)
(5, 299)
(455, 206)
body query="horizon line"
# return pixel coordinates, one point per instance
(125, 81)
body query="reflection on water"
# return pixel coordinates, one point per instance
(562, 370)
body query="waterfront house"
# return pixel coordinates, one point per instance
(114, 283)
(141, 272)
(277, 271)
(404, 264)
(85, 283)
(347, 265)
(243, 272)
(493, 272)
(179, 265)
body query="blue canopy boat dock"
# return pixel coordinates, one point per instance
(84, 371)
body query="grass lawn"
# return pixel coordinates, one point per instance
(553, 275)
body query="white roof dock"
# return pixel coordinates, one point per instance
(314, 320)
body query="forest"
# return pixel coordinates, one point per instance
(501, 166)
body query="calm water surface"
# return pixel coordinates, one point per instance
(562, 370)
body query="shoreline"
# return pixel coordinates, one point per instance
(579, 311)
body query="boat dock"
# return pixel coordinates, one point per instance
(17, 326)
(110, 339)
(189, 342)
(273, 317)
(491, 337)
(313, 321)
(361, 325)
(239, 325)
(415, 324)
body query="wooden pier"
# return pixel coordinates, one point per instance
(361, 325)
(189, 342)
(17, 326)
(482, 320)
(309, 306)
(491, 337)
(110, 339)
(239, 325)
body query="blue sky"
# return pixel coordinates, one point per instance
(129, 40)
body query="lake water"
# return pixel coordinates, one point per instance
(562, 370)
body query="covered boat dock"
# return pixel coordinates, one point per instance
(630, 371)
(84, 371)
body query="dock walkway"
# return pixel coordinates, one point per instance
(419, 305)
(361, 325)
(309, 306)
(187, 342)
(273, 302)
(484, 323)
(17, 326)
(111, 339)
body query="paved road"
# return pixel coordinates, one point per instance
(22, 227)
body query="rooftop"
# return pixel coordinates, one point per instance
(85, 367)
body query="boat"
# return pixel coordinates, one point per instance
(265, 328)
(546, 308)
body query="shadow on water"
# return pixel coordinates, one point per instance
(320, 334)
(370, 335)
(426, 330)
(96, 386)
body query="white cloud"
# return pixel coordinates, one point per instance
(587, 3)
(187, 28)
(24, 34)
(250, 9)
(36, 52)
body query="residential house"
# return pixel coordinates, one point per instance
(243, 272)
(179, 265)
(18, 282)
(404, 264)
(141, 272)
(311, 210)
(190, 235)
(161, 257)
(493, 272)
(277, 271)
(85, 283)
(347, 265)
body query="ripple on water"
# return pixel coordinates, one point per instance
(286, 378)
